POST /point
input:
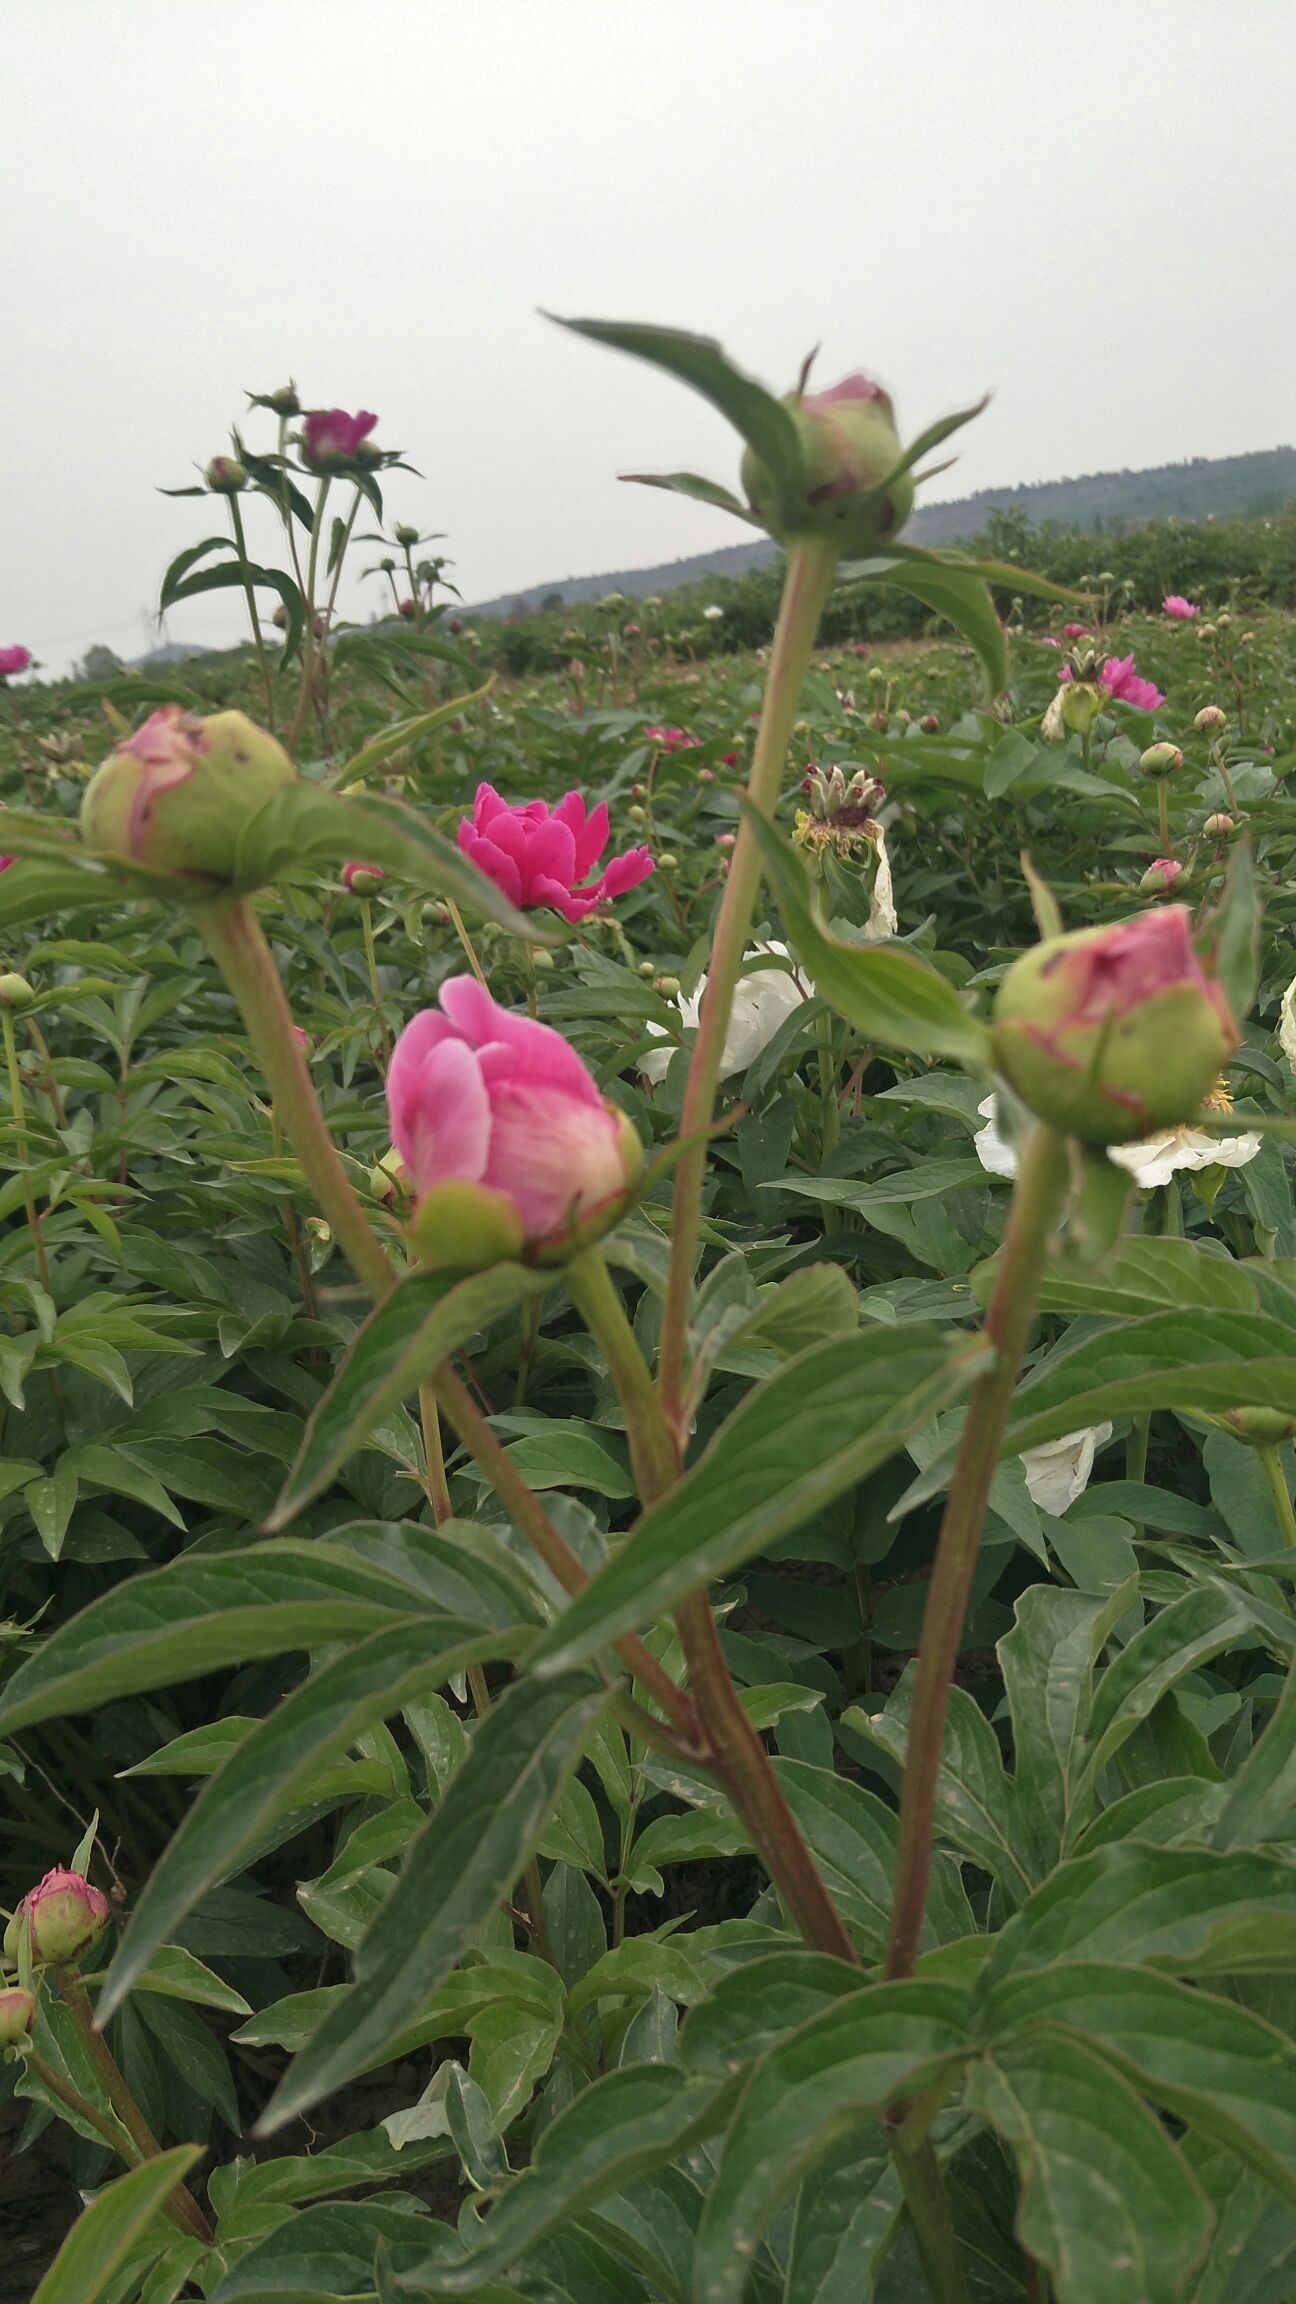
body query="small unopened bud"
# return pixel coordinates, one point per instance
(638, 791)
(1219, 826)
(668, 863)
(929, 724)
(849, 450)
(15, 992)
(1223, 621)
(1259, 1427)
(668, 986)
(284, 401)
(225, 476)
(1161, 876)
(637, 815)
(408, 610)
(1161, 760)
(64, 1917)
(178, 795)
(405, 534)
(646, 969)
(725, 839)
(362, 879)
(903, 718)
(1210, 720)
(17, 2016)
(706, 775)
(388, 567)
(879, 721)
(279, 619)
(540, 958)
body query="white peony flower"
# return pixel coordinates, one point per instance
(761, 1003)
(1152, 1161)
(712, 614)
(1287, 1024)
(1058, 1472)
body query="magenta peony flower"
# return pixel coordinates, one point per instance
(65, 1916)
(1077, 631)
(506, 1139)
(332, 437)
(13, 660)
(1123, 684)
(543, 858)
(1175, 605)
(671, 739)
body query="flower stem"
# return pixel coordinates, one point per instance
(308, 625)
(1036, 1199)
(1281, 1494)
(234, 936)
(434, 1455)
(810, 571)
(76, 2000)
(20, 1140)
(927, 2202)
(81, 2107)
(736, 1751)
(470, 949)
(240, 546)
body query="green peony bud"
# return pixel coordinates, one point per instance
(1259, 1427)
(177, 795)
(1112, 1033)
(15, 992)
(1161, 760)
(850, 447)
(225, 476)
(64, 1917)
(17, 2016)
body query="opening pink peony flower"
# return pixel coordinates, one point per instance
(1175, 604)
(330, 436)
(15, 659)
(542, 858)
(1123, 684)
(483, 1098)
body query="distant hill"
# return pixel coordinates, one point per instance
(1229, 487)
(174, 652)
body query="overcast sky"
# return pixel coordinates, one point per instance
(1090, 209)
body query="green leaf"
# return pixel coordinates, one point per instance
(175, 1974)
(1260, 1800)
(1147, 1274)
(196, 1615)
(798, 1440)
(1178, 1639)
(408, 1336)
(304, 825)
(1230, 938)
(457, 1870)
(764, 423)
(271, 1770)
(1108, 2204)
(232, 576)
(1189, 1911)
(36, 887)
(403, 732)
(961, 598)
(976, 1811)
(702, 492)
(104, 2233)
(1168, 1360)
(846, 2216)
(1214, 2065)
(885, 991)
(1047, 1661)
(838, 2070)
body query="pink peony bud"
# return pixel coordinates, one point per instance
(1161, 760)
(65, 1917)
(542, 858)
(850, 448)
(1175, 605)
(1077, 632)
(1218, 827)
(362, 879)
(508, 1144)
(1161, 875)
(331, 438)
(17, 2016)
(1112, 1033)
(409, 610)
(225, 476)
(15, 659)
(1210, 720)
(178, 795)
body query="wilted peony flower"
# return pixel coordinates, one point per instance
(542, 858)
(1175, 605)
(762, 1002)
(330, 437)
(65, 1916)
(1111, 1033)
(15, 659)
(1058, 1471)
(508, 1144)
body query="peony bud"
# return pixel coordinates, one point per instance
(405, 534)
(1259, 1427)
(65, 1917)
(510, 1147)
(284, 401)
(225, 476)
(408, 610)
(1210, 720)
(17, 2016)
(1161, 760)
(1161, 876)
(850, 447)
(929, 724)
(362, 879)
(178, 794)
(1218, 827)
(15, 992)
(1112, 1033)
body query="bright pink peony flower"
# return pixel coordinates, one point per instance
(484, 1098)
(1123, 684)
(64, 1916)
(671, 739)
(1175, 605)
(333, 437)
(1077, 631)
(540, 857)
(13, 660)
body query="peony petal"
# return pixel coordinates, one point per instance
(553, 1156)
(507, 1042)
(491, 859)
(438, 1103)
(625, 872)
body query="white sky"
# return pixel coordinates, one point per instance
(1089, 208)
